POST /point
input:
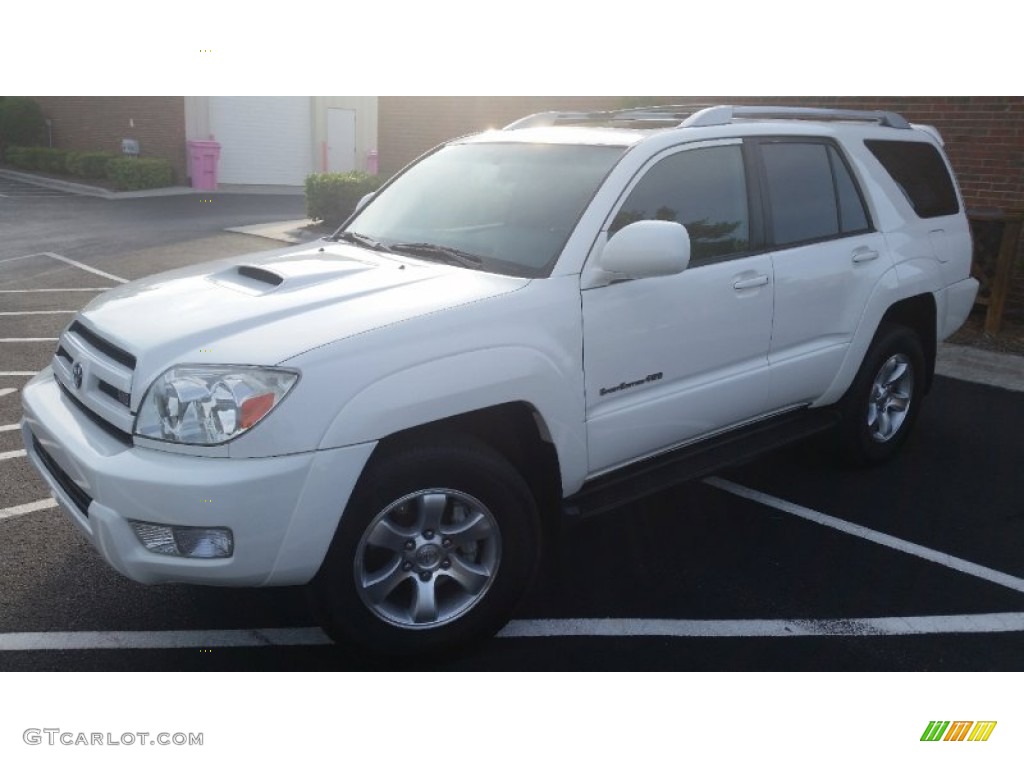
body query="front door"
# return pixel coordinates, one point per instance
(671, 359)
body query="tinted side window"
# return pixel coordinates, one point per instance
(852, 216)
(918, 170)
(802, 198)
(703, 189)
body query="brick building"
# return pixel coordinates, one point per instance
(264, 139)
(83, 123)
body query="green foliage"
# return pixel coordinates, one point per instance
(140, 173)
(89, 165)
(37, 158)
(21, 122)
(331, 197)
(51, 160)
(16, 156)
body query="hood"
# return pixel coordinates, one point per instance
(265, 308)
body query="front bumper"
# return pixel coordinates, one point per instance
(282, 510)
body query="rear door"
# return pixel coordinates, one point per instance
(827, 258)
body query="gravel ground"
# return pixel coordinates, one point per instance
(1009, 340)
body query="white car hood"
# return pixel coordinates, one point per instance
(265, 308)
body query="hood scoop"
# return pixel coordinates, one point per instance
(260, 274)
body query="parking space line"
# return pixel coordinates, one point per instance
(55, 290)
(7, 391)
(889, 625)
(18, 373)
(9, 427)
(19, 258)
(24, 509)
(12, 454)
(532, 628)
(85, 267)
(39, 312)
(224, 638)
(37, 338)
(901, 545)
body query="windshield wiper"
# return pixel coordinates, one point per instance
(365, 241)
(440, 253)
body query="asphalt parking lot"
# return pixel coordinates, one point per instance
(785, 563)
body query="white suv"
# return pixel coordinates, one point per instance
(559, 316)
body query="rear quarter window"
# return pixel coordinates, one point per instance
(920, 173)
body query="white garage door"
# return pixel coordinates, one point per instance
(264, 139)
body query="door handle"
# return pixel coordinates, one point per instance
(864, 254)
(750, 282)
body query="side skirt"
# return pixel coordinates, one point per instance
(691, 462)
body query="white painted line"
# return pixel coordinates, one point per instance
(55, 290)
(9, 427)
(19, 258)
(16, 341)
(255, 638)
(894, 625)
(224, 638)
(24, 509)
(941, 558)
(39, 312)
(18, 373)
(7, 391)
(12, 454)
(86, 267)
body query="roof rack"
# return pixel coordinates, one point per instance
(700, 116)
(666, 115)
(723, 115)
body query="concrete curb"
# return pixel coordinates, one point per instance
(91, 191)
(285, 231)
(980, 366)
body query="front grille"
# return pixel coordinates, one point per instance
(120, 435)
(61, 352)
(81, 499)
(111, 391)
(110, 350)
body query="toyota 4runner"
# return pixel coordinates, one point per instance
(559, 316)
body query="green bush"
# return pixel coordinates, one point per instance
(16, 156)
(21, 122)
(140, 173)
(51, 160)
(89, 165)
(37, 158)
(331, 197)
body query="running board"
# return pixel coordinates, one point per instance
(691, 462)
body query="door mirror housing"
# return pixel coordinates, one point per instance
(646, 249)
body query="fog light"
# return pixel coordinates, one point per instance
(184, 541)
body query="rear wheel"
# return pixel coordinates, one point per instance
(435, 549)
(881, 406)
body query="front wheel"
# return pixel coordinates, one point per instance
(435, 549)
(881, 406)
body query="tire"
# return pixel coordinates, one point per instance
(436, 547)
(879, 410)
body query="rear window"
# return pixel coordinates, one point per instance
(919, 172)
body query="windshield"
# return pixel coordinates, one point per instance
(499, 207)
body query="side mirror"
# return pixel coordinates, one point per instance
(646, 249)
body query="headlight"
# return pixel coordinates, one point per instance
(210, 404)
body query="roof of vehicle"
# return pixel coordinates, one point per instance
(627, 127)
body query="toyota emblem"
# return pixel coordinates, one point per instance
(76, 373)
